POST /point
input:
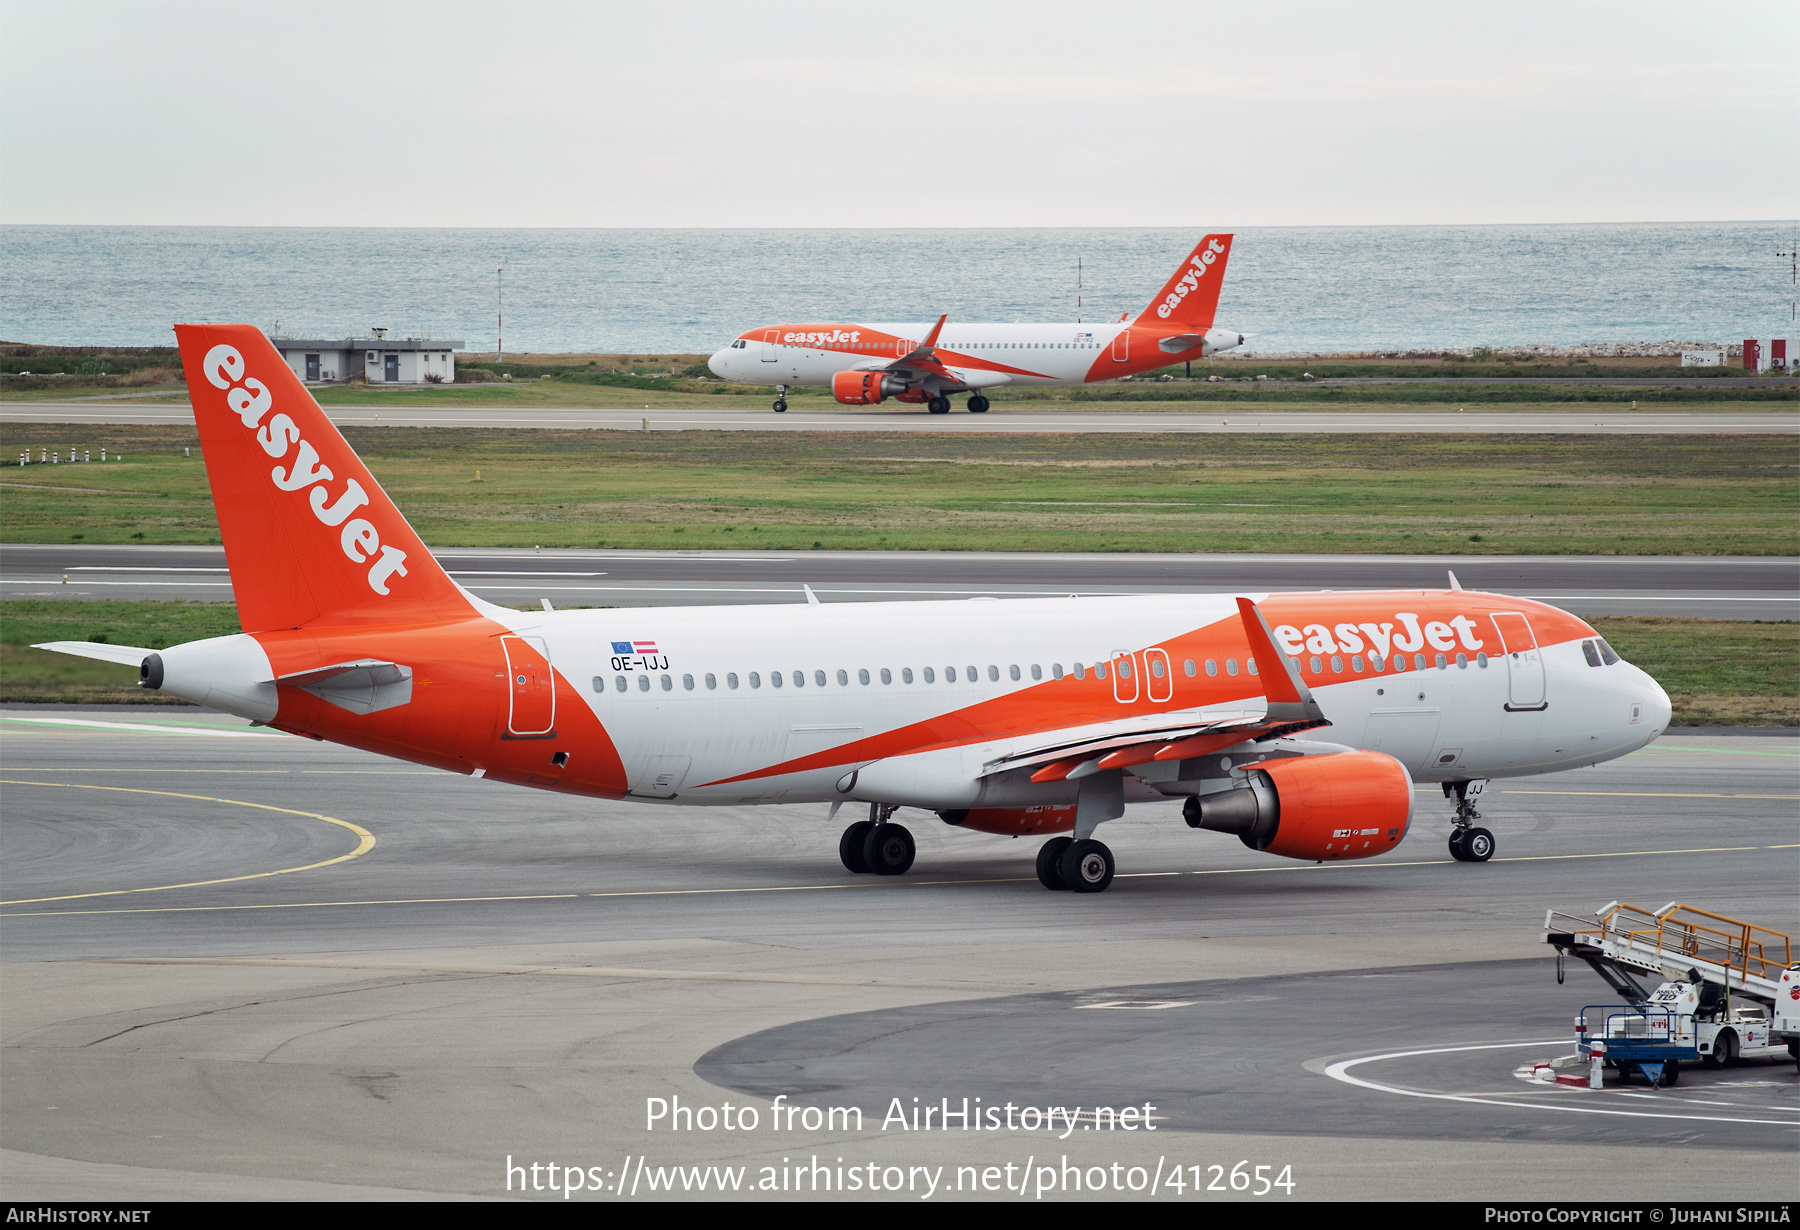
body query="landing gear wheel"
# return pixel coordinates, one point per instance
(888, 849)
(938, 405)
(1458, 849)
(1087, 867)
(1049, 863)
(978, 404)
(780, 405)
(1478, 846)
(850, 847)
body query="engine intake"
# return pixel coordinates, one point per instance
(1353, 805)
(864, 388)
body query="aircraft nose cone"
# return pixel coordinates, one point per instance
(716, 364)
(1657, 707)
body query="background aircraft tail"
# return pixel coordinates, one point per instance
(1191, 298)
(308, 532)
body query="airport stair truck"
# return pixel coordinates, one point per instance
(1725, 986)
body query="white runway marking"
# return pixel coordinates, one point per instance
(141, 726)
(1340, 1071)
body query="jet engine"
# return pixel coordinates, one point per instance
(864, 388)
(1351, 805)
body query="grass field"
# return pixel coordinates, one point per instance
(1064, 492)
(1718, 672)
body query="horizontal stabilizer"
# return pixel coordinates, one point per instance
(125, 655)
(366, 685)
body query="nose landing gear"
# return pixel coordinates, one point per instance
(781, 399)
(1468, 844)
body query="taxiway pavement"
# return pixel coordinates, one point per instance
(1228, 419)
(241, 963)
(1706, 587)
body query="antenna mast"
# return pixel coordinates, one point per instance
(500, 314)
(1077, 290)
(1793, 255)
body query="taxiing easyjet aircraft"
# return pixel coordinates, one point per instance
(1298, 722)
(866, 364)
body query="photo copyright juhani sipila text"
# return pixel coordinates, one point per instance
(1036, 1176)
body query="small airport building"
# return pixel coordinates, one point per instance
(377, 358)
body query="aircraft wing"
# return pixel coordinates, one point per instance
(1076, 752)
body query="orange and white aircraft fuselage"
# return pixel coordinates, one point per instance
(865, 364)
(1298, 722)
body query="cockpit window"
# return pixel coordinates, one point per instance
(1591, 652)
(1607, 655)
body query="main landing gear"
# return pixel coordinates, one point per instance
(978, 404)
(1468, 844)
(781, 399)
(1082, 866)
(877, 844)
(939, 404)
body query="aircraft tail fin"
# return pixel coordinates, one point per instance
(309, 534)
(1190, 299)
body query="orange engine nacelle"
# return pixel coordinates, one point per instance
(1350, 805)
(1013, 821)
(863, 388)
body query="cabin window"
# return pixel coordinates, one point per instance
(1462, 661)
(844, 678)
(775, 678)
(1231, 666)
(1099, 670)
(599, 684)
(1356, 663)
(1156, 667)
(1441, 663)
(1188, 668)
(687, 683)
(862, 677)
(619, 683)
(800, 678)
(1056, 670)
(1079, 671)
(1419, 661)
(731, 680)
(1037, 672)
(1212, 667)
(1250, 665)
(906, 674)
(1318, 667)
(1481, 660)
(1337, 665)
(712, 682)
(949, 674)
(1377, 661)
(929, 676)
(1013, 672)
(643, 683)
(668, 683)
(994, 673)
(887, 676)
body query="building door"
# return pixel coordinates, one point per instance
(312, 367)
(391, 367)
(1122, 346)
(1524, 661)
(771, 348)
(531, 685)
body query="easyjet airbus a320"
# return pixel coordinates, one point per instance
(866, 364)
(1297, 722)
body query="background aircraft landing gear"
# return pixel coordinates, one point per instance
(938, 405)
(888, 849)
(1049, 863)
(978, 404)
(1468, 844)
(850, 846)
(1087, 866)
(781, 399)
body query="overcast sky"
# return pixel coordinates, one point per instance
(893, 115)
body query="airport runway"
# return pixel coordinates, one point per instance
(1706, 587)
(1228, 419)
(242, 964)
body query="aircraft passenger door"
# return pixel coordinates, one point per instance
(1122, 346)
(530, 686)
(771, 346)
(1524, 661)
(1125, 676)
(1160, 686)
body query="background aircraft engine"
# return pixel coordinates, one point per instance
(1351, 805)
(864, 388)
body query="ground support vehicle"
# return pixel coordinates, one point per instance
(1784, 1028)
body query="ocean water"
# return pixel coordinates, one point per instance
(647, 291)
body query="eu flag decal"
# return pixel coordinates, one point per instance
(621, 646)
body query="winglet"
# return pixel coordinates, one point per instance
(1289, 698)
(1454, 583)
(930, 342)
